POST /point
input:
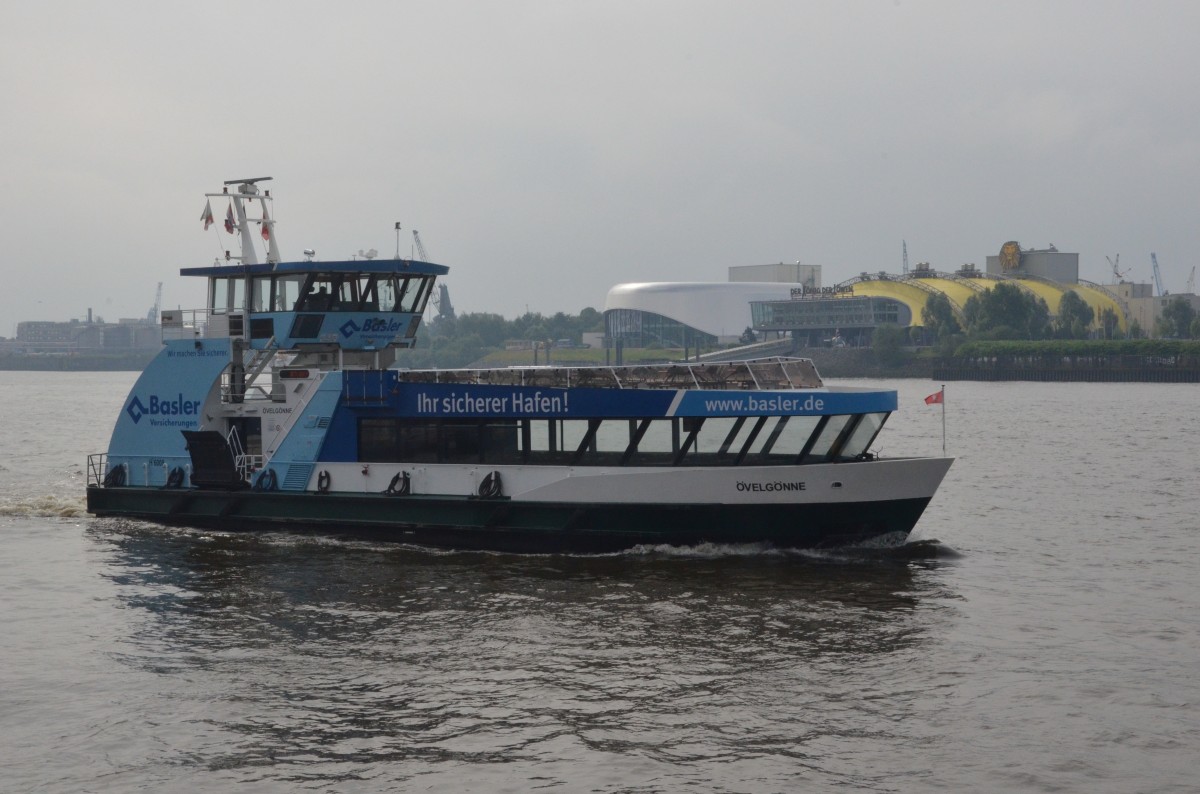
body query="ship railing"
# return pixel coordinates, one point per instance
(251, 392)
(247, 465)
(97, 469)
(776, 372)
(139, 470)
(184, 324)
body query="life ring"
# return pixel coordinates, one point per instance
(401, 485)
(175, 478)
(115, 477)
(266, 481)
(491, 487)
(323, 480)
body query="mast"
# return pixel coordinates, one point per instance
(247, 190)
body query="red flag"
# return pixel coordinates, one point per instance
(207, 216)
(229, 218)
(266, 233)
(935, 398)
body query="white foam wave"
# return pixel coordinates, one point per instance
(44, 506)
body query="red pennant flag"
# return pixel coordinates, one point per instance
(266, 233)
(935, 398)
(229, 218)
(207, 217)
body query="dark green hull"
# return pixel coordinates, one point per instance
(506, 525)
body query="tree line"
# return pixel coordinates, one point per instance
(1007, 312)
(459, 340)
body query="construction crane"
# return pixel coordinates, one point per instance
(1157, 276)
(1117, 274)
(152, 315)
(440, 299)
(420, 248)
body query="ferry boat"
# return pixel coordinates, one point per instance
(278, 407)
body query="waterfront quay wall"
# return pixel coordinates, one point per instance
(1086, 369)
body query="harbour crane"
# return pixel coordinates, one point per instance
(420, 248)
(152, 315)
(1117, 274)
(1157, 276)
(441, 298)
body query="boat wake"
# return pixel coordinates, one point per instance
(883, 548)
(46, 506)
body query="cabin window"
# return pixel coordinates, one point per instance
(863, 434)
(652, 442)
(287, 293)
(825, 441)
(260, 294)
(221, 296)
(423, 295)
(789, 441)
(345, 295)
(367, 300)
(385, 288)
(238, 294)
(318, 294)
(685, 441)
(378, 440)
(410, 294)
(417, 442)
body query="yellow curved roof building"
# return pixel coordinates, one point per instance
(903, 291)
(914, 291)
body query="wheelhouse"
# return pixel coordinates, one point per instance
(356, 305)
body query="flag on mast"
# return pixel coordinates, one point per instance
(207, 216)
(939, 398)
(266, 232)
(229, 218)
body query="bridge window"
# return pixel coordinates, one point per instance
(412, 294)
(367, 300)
(287, 293)
(226, 294)
(318, 294)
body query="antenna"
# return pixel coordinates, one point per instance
(904, 248)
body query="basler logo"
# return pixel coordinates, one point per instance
(159, 406)
(371, 325)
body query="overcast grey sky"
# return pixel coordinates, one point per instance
(548, 150)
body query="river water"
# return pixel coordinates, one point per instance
(1041, 633)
